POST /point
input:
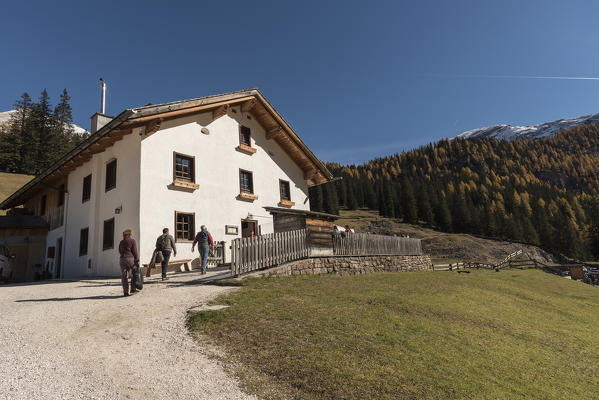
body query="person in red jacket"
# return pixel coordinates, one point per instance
(129, 259)
(203, 239)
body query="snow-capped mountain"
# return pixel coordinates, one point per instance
(509, 132)
(5, 117)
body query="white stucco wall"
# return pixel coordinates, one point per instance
(217, 165)
(100, 207)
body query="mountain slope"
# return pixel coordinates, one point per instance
(544, 192)
(10, 183)
(531, 132)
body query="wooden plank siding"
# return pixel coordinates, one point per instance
(263, 251)
(365, 244)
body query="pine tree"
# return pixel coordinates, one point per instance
(64, 123)
(329, 195)
(444, 216)
(316, 198)
(408, 201)
(388, 200)
(12, 148)
(43, 127)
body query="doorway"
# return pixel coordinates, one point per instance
(248, 228)
(58, 257)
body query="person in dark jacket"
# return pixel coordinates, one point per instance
(165, 243)
(128, 261)
(203, 239)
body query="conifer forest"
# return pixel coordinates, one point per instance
(37, 134)
(544, 191)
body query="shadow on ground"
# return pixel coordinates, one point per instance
(68, 299)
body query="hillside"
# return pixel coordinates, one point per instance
(544, 191)
(441, 246)
(530, 132)
(9, 183)
(516, 334)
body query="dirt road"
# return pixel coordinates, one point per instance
(83, 340)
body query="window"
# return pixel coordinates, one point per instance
(246, 182)
(87, 188)
(108, 236)
(111, 175)
(245, 136)
(61, 190)
(184, 167)
(284, 190)
(184, 226)
(83, 238)
(43, 205)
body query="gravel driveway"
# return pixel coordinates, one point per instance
(83, 340)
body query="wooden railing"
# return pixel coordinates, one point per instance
(251, 254)
(507, 262)
(365, 244)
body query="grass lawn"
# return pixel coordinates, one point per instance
(419, 335)
(9, 183)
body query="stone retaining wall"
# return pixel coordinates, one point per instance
(351, 265)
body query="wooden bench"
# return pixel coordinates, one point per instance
(184, 265)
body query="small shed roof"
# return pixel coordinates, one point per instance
(305, 213)
(23, 222)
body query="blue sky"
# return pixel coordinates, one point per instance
(356, 80)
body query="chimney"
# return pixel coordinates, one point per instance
(100, 119)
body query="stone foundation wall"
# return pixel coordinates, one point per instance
(351, 265)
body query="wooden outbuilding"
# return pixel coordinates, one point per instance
(319, 226)
(25, 237)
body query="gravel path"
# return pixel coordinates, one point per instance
(83, 340)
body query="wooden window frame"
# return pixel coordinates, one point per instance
(285, 202)
(84, 192)
(243, 146)
(82, 250)
(108, 188)
(281, 183)
(252, 181)
(192, 168)
(110, 246)
(191, 228)
(242, 136)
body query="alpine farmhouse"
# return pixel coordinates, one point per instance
(214, 161)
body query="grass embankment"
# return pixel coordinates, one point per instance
(9, 183)
(443, 247)
(420, 335)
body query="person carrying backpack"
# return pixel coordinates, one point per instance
(203, 239)
(165, 244)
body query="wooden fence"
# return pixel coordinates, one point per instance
(507, 262)
(218, 256)
(366, 244)
(263, 251)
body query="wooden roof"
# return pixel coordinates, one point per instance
(304, 213)
(152, 116)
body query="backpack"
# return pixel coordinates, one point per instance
(162, 242)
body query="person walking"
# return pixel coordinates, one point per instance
(128, 261)
(203, 239)
(165, 244)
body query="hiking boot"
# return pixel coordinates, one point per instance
(125, 294)
(164, 278)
